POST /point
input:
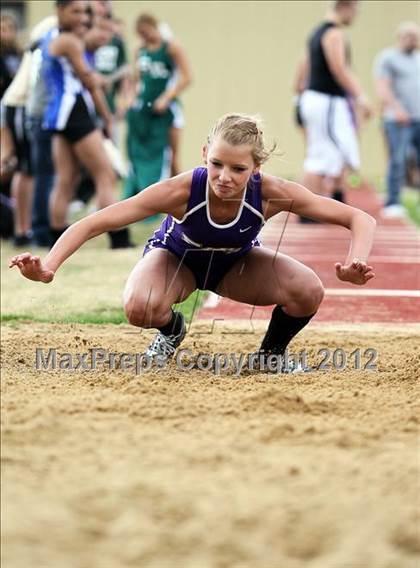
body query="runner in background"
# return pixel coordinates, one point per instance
(327, 104)
(155, 119)
(74, 94)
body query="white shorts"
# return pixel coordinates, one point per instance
(331, 142)
(178, 114)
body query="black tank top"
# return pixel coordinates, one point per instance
(320, 77)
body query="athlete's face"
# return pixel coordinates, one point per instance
(348, 13)
(148, 33)
(409, 39)
(229, 167)
(8, 32)
(73, 17)
(100, 35)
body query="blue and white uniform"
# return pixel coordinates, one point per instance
(207, 248)
(70, 109)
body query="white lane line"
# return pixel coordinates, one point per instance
(332, 258)
(373, 292)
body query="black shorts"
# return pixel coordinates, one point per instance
(79, 124)
(15, 122)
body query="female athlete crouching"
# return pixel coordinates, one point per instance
(209, 240)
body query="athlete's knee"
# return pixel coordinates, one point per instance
(308, 296)
(145, 312)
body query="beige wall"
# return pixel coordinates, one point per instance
(244, 56)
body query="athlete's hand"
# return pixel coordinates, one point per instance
(32, 267)
(161, 104)
(109, 128)
(402, 117)
(357, 272)
(364, 106)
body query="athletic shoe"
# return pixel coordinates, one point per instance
(22, 240)
(396, 211)
(164, 346)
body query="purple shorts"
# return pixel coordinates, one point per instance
(208, 267)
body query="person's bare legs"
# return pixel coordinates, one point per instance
(314, 182)
(264, 277)
(22, 192)
(67, 171)
(174, 141)
(335, 186)
(91, 153)
(156, 283)
(287, 283)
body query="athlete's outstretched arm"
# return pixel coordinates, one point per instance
(282, 195)
(169, 196)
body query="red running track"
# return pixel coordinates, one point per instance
(393, 296)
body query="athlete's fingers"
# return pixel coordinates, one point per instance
(24, 255)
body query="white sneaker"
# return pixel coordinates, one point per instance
(396, 211)
(164, 346)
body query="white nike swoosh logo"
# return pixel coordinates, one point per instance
(243, 230)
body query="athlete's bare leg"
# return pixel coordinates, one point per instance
(264, 277)
(314, 182)
(67, 171)
(91, 153)
(174, 140)
(156, 283)
(333, 184)
(22, 192)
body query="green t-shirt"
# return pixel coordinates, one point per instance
(108, 59)
(156, 68)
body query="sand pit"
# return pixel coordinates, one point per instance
(106, 469)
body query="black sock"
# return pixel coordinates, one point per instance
(56, 234)
(174, 325)
(281, 330)
(338, 195)
(120, 239)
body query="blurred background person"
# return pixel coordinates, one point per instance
(111, 61)
(10, 56)
(15, 121)
(40, 139)
(326, 104)
(74, 92)
(299, 85)
(397, 79)
(155, 120)
(10, 50)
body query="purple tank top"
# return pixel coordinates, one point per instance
(196, 230)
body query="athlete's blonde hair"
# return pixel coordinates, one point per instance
(237, 129)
